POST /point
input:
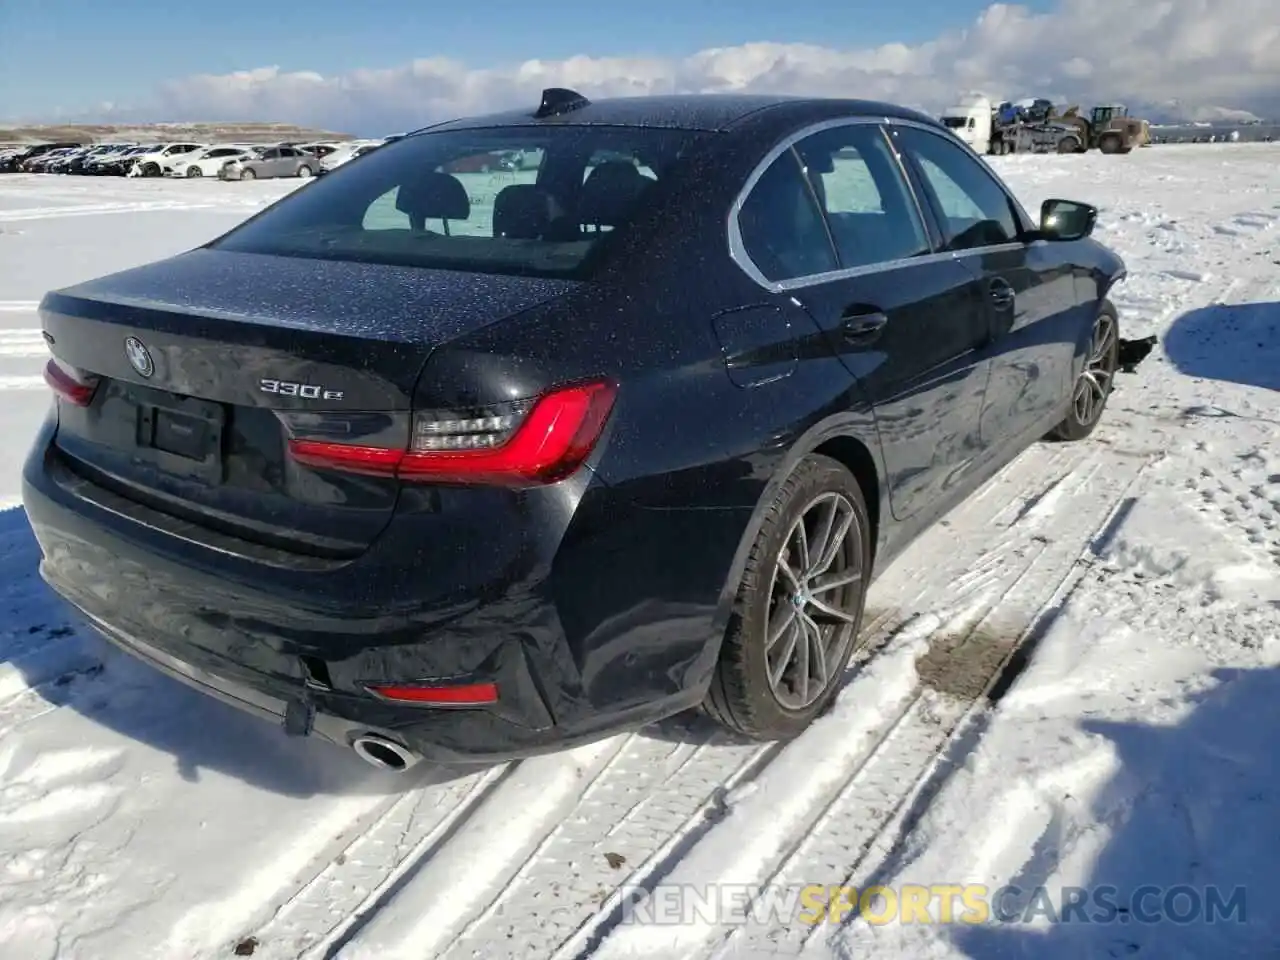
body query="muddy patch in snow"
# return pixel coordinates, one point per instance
(963, 664)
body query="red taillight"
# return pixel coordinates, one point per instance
(70, 386)
(442, 695)
(538, 442)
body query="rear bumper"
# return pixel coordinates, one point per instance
(572, 660)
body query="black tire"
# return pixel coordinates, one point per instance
(151, 170)
(1110, 143)
(1080, 422)
(741, 696)
(194, 171)
(1068, 145)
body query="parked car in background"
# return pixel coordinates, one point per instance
(346, 153)
(45, 162)
(433, 472)
(207, 163)
(88, 158)
(119, 163)
(17, 161)
(270, 162)
(153, 162)
(320, 149)
(37, 162)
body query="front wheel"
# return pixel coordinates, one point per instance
(248, 174)
(304, 171)
(1093, 386)
(799, 606)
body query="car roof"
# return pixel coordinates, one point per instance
(702, 111)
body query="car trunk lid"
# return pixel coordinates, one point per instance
(201, 363)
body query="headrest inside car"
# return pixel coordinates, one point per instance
(522, 211)
(610, 194)
(433, 196)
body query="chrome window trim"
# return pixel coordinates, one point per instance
(906, 178)
(738, 250)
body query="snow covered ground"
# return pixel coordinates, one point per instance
(1130, 744)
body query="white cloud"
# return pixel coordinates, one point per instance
(1199, 54)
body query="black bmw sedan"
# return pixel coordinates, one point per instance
(437, 458)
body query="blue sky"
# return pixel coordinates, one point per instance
(119, 50)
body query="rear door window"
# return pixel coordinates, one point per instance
(866, 200)
(781, 225)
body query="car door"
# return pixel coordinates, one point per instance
(1029, 289)
(265, 163)
(214, 159)
(906, 323)
(778, 238)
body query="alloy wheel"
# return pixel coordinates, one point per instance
(1094, 384)
(816, 582)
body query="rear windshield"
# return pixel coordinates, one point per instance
(531, 201)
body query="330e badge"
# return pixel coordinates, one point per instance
(307, 391)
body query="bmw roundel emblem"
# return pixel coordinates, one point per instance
(139, 356)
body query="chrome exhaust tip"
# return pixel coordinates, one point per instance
(384, 754)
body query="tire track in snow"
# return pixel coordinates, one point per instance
(404, 831)
(22, 382)
(862, 836)
(100, 209)
(628, 814)
(968, 571)
(446, 887)
(22, 343)
(712, 765)
(871, 767)
(657, 801)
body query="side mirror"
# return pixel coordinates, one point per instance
(1066, 220)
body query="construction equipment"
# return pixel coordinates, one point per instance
(1109, 128)
(1116, 116)
(1023, 127)
(1036, 126)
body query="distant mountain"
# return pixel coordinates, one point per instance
(157, 132)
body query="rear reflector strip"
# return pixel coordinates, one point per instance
(452, 695)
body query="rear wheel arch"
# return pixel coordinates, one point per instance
(856, 456)
(843, 442)
(745, 690)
